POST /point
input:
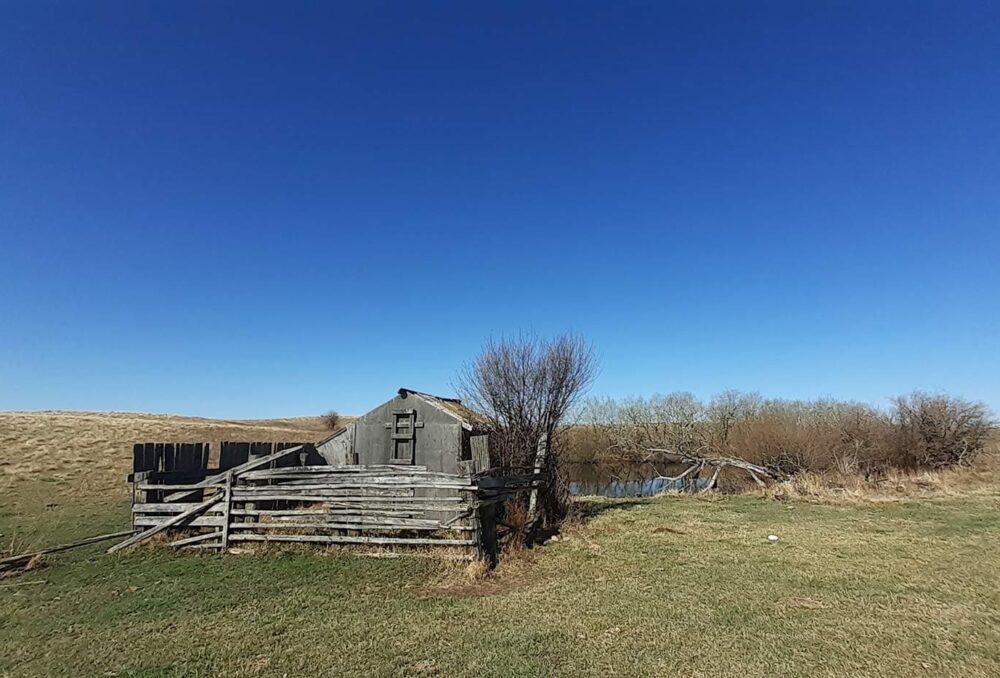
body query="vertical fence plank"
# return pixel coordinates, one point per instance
(226, 508)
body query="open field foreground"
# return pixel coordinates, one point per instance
(668, 586)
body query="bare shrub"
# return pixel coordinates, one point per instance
(824, 436)
(331, 420)
(610, 429)
(525, 387)
(513, 522)
(934, 431)
(724, 413)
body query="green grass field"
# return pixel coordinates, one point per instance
(671, 586)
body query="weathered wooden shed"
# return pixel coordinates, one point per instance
(413, 428)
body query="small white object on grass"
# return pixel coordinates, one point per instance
(772, 537)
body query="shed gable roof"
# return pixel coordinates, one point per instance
(470, 419)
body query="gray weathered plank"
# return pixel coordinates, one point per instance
(331, 539)
(347, 526)
(195, 539)
(200, 521)
(179, 519)
(236, 470)
(10, 560)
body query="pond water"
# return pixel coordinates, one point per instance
(625, 478)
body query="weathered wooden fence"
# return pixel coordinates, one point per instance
(187, 457)
(276, 498)
(192, 458)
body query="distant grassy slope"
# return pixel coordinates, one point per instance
(672, 586)
(62, 472)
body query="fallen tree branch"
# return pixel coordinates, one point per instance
(712, 483)
(691, 469)
(696, 464)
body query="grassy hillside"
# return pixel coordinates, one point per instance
(60, 472)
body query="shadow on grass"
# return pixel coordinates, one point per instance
(588, 509)
(584, 510)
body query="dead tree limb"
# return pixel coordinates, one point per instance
(696, 464)
(714, 481)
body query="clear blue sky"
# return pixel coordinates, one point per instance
(246, 210)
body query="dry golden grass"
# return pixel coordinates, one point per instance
(979, 479)
(83, 455)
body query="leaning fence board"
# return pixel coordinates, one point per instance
(179, 519)
(330, 539)
(236, 470)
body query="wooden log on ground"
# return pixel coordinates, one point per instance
(14, 561)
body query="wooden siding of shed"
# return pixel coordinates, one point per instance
(438, 443)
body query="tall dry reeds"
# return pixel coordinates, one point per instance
(918, 431)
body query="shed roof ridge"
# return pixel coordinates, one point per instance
(469, 418)
(429, 395)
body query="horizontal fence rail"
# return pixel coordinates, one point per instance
(285, 496)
